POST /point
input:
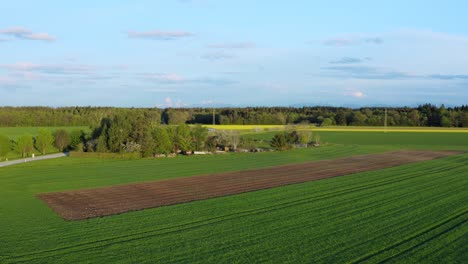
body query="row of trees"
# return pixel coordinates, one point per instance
(424, 115)
(44, 142)
(131, 133)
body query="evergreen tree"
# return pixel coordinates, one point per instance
(280, 141)
(76, 138)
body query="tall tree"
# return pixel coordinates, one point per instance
(76, 138)
(44, 140)
(199, 134)
(162, 141)
(5, 146)
(25, 145)
(62, 139)
(176, 116)
(182, 139)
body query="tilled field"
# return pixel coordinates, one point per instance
(89, 203)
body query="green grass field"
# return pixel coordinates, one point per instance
(16, 132)
(415, 213)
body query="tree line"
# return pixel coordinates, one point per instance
(131, 133)
(126, 132)
(44, 142)
(423, 115)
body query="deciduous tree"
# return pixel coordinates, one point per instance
(5, 146)
(199, 135)
(44, 140)
(62, 139)
(162, 141)
(25, 145)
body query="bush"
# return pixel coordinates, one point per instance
(280, 141)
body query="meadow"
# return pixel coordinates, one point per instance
(16, 132)
(413, 213)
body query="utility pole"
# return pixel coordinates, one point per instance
(214, 117)
(385, 120)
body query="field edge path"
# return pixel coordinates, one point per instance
(25, 160)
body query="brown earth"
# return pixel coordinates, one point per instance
(96, 202)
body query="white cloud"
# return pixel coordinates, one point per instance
(159, 90)
(159, 35)
(234, 45)
(48, 68)
(7, 80)
(352, 40)
(169, 102)
(166, 77)
(26, 34)
(338, 42)
(214, 56)
(354, 93)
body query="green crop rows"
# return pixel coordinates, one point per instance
(415, 213)
(426, 140)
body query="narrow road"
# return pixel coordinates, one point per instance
(44, 157)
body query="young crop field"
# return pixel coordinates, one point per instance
(411, 213)
(412, 140)
(104, 201)
(266, 128)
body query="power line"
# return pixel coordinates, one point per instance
(214, 117)
(385, 120)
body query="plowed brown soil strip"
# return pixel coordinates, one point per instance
(89, 203)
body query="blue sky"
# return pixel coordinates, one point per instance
(207, 52)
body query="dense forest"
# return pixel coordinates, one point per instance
(424, 115)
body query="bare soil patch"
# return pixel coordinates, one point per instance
(97, 202)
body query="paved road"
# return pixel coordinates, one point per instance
(51, 156)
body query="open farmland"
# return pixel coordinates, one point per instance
(412, 213)
(409, 140)
(89, 203)
(266, 128)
